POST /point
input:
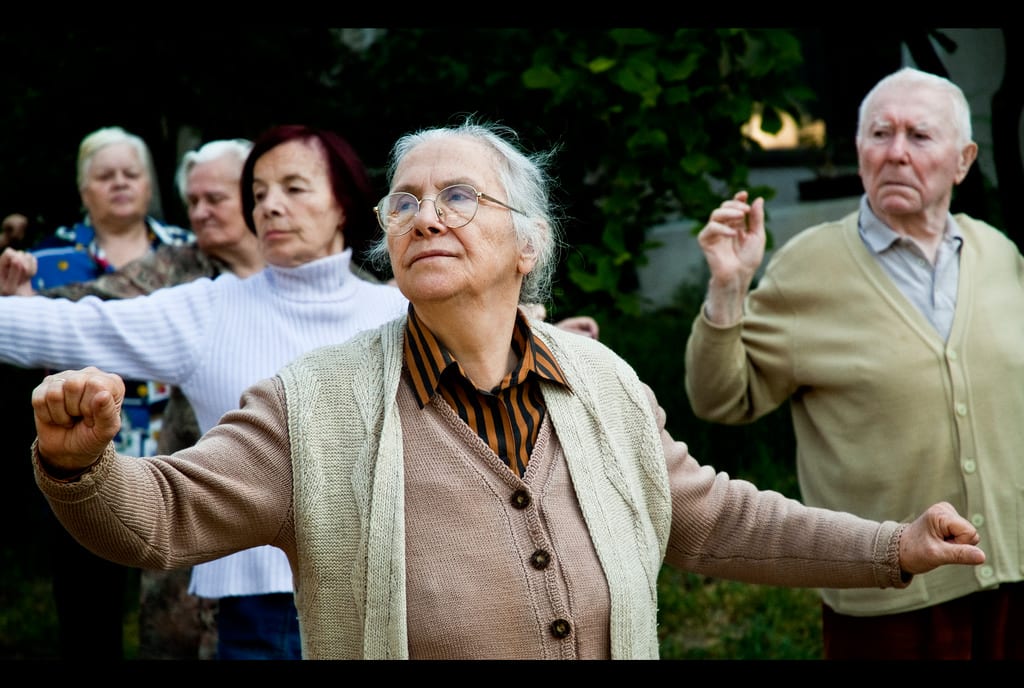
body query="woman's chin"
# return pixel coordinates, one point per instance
(428, 289)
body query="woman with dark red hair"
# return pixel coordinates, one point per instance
(307, 197)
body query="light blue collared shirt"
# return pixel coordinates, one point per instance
(931, 288)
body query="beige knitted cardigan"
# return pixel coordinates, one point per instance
(346, 443)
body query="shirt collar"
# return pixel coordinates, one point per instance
(878, 236)
(427, 359)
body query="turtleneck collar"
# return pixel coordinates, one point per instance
(329, 277)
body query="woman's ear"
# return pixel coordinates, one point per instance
(528, 251)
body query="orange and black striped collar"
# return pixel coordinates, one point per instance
(427, 359)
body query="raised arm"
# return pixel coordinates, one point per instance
(150, 337)
(165, 267)
(229, 492)
(733, 243)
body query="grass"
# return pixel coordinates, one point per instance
(704, 618)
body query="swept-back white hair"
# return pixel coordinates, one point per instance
(213, 150)
(909, 76)
(526, 183)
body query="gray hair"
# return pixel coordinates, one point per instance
(910, 76)
(526, 183)
(107, 136)
(208, 152)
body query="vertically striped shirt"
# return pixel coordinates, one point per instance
(507, 417)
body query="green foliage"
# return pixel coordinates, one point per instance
(646, 120)
(656, 118)
(28, 614)
(705, 618)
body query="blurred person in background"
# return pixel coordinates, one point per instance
(307, 199)
(115, 183)
(172, 623)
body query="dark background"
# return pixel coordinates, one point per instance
(180, 86)
(177, 87)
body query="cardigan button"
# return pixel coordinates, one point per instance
(540, 560)
(560, 628)
(521, 499)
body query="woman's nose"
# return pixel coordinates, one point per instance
(271, 202)
(427, 220)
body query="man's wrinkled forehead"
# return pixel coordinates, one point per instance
(920, 106)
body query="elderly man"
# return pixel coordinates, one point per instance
(896, 333)
(501, 491)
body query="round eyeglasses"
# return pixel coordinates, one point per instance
(455, 206)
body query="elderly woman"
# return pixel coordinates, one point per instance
(115, 182)
(172, 623)
(116, 185)
(306, 197)
(461, 482)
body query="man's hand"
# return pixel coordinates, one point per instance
(733, 243)
(16, 271)
(939, 536)
(77, 414)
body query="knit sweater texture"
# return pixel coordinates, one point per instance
(888, 417)
(211, 338)
(410, 538)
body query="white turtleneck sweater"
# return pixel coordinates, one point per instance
(213, 339)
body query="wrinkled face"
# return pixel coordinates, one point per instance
(908, 155)
(296, 215)
(479, 261)
(117, 187)
(214, 203)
